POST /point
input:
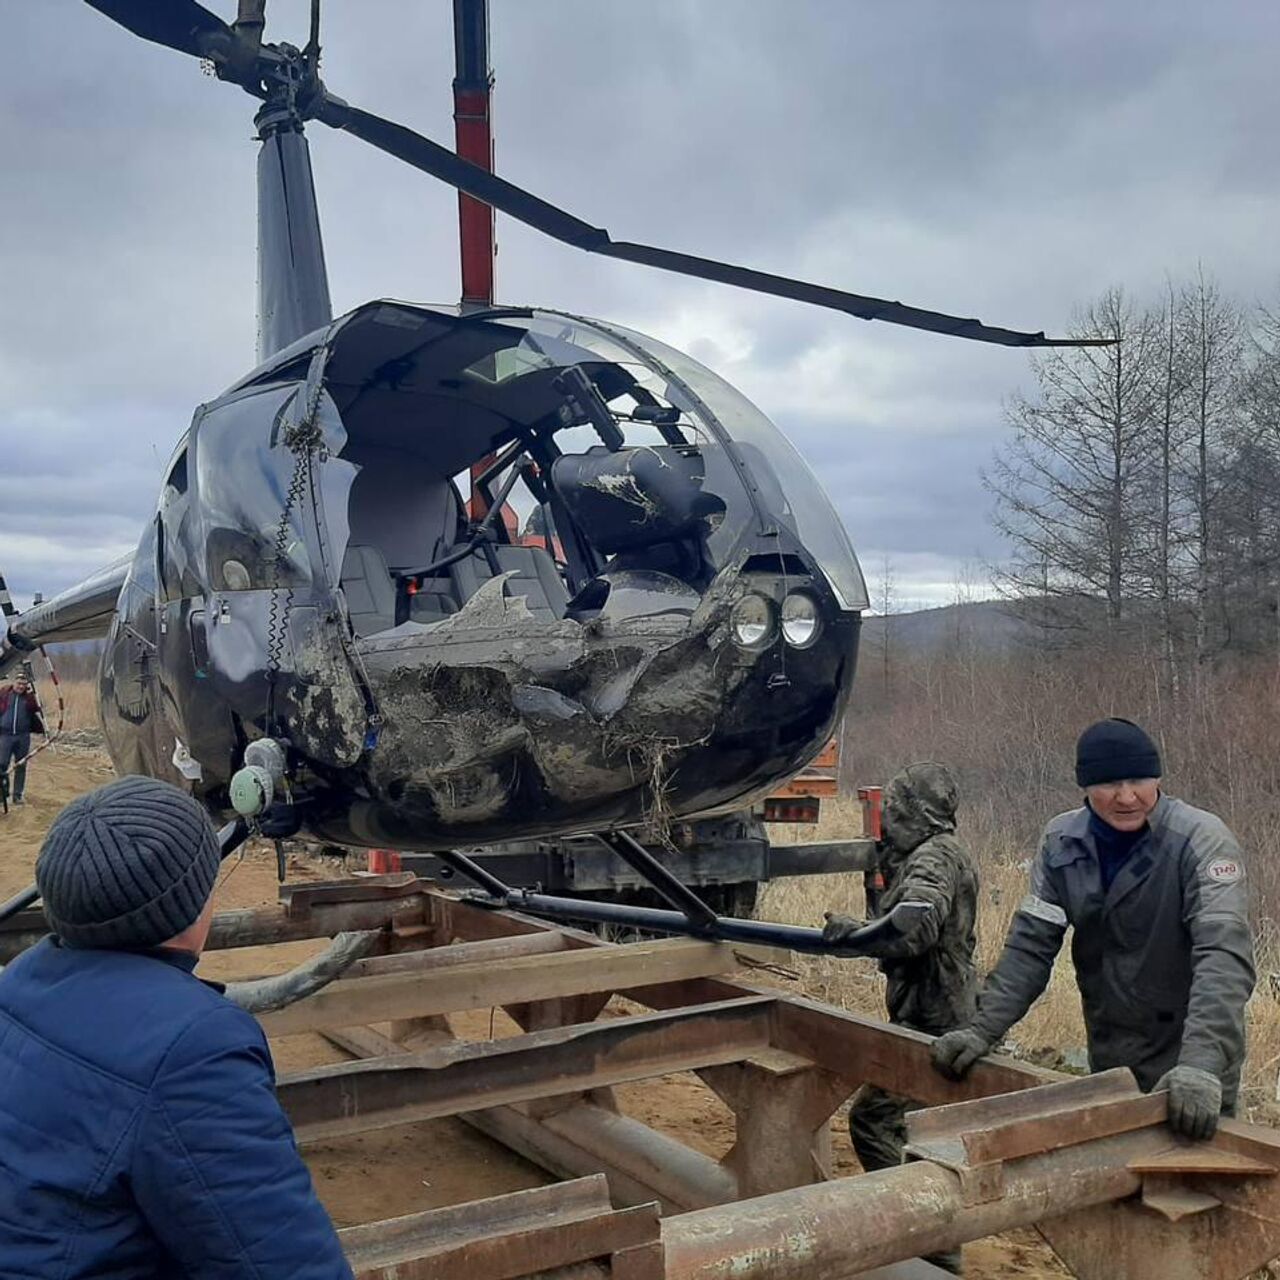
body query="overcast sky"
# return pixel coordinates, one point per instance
(1004, 160)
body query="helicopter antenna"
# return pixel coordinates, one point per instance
(312, 51)
(295, 292)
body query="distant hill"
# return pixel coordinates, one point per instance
(985, 624)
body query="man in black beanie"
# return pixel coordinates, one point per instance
(139, 1129)
(1155, 891)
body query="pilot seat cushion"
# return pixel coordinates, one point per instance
(634, 498)
(371, 595)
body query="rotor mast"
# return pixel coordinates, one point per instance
(293, 282)
(473, 139)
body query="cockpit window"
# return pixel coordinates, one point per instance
(626, 458)
(255, 525)
(179, 576)
(785, 484)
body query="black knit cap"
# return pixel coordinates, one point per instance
(1113, 750)
(129, 865)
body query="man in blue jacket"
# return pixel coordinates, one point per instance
(140, 1134)
(19, 719)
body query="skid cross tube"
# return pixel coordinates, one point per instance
(711, 927)
(668, 886)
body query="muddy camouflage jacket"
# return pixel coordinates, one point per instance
(1163, 958)
(931, 983)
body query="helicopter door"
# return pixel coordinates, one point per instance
(273, 499)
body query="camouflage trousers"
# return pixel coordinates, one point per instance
(878, 1131)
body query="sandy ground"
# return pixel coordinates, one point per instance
(420, 1166)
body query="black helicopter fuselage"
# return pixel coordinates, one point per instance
(658, 617)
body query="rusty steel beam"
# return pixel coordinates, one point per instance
(582, 1138)
(641, 1164)
(502, 1238)
(890, 1057)
(839, 1229)
(378, 1093)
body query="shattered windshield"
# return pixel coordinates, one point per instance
(786, 486)
(651, 410)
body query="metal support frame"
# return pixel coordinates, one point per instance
(1089, 1161)
(692, 917)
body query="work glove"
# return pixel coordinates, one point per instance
(840, 928)
(955, 1053)
(1195, 1101)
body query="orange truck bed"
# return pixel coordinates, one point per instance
(819, 778)
(799, 800)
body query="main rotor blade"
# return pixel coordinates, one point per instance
(178, 24)
(440, 162)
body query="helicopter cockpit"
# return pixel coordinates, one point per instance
(594, 470)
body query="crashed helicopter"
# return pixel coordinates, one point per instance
(646, 605)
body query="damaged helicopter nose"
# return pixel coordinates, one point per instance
(497, 721)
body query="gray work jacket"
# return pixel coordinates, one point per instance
(1163, 959)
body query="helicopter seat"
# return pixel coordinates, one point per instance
(433, 600)
(631, 499)
(370, 592)
(534, 576)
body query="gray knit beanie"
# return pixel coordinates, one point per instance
(129, 865)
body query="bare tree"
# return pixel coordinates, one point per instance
(1068, 487)
(1258, 515)
(1213, 337)
(1171, 434)
(886, 603)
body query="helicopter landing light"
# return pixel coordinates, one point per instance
(800, 621)
(752, 621)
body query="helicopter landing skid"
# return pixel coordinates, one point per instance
(691, 915)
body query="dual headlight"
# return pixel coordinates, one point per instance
(755, 620)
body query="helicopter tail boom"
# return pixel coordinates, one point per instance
(82, 612)
(293, 283)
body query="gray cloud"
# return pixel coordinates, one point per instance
(1006, 160)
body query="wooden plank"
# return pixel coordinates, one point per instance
(378, 1093)
(525, 978)
(496, 951)
(262, 926)
(894, 1058)
(363, 1042)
